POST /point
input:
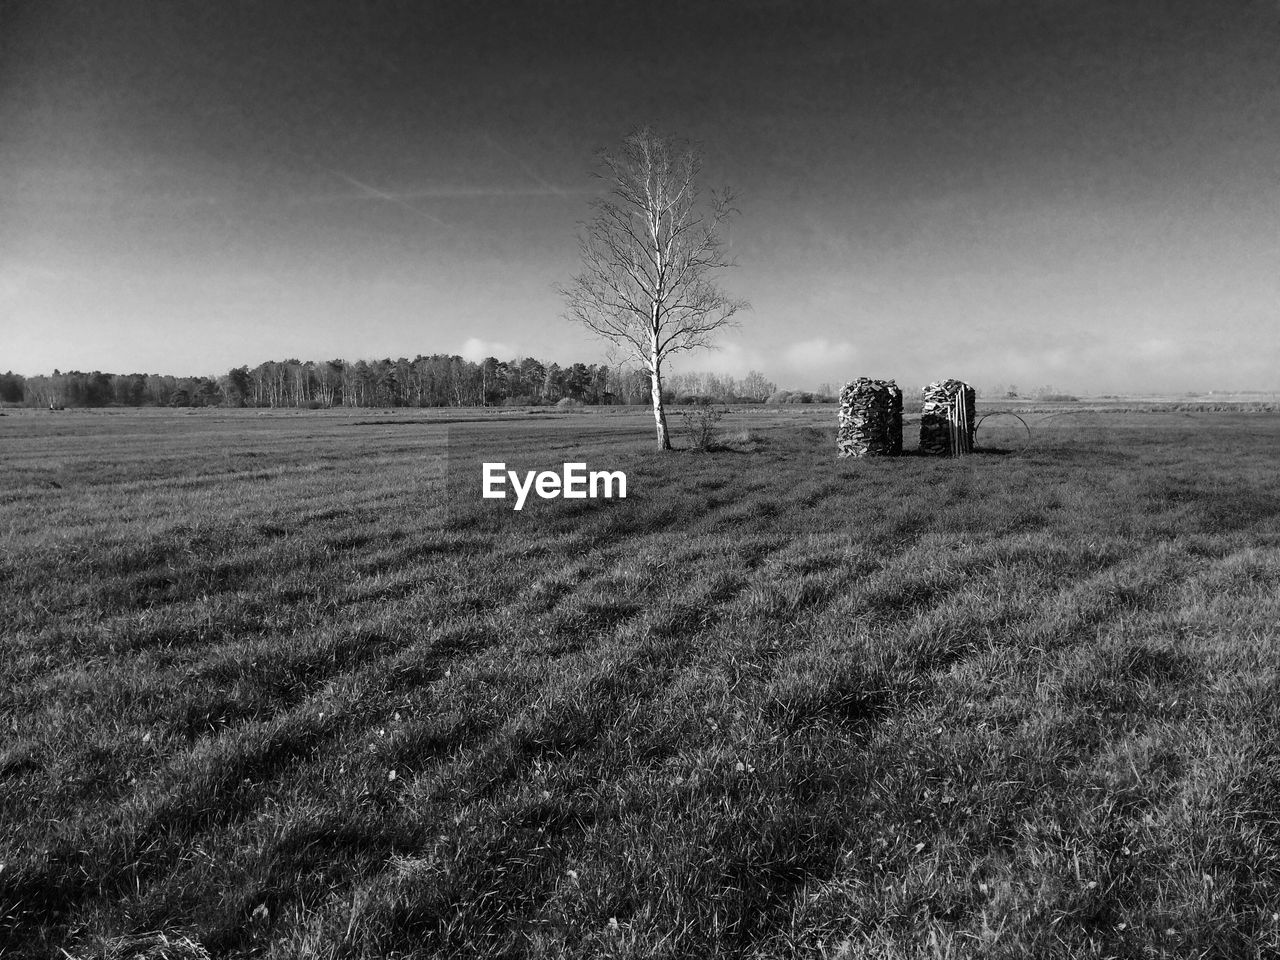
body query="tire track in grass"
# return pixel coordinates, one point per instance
(770, 857)
(727, 849)
(382, 812)
(283, 686)
(477, 884)
(214, 785)
(589, 711)
(579, 746)
(1055, 745)
(814, 699)
(410, 676)
(600, 592)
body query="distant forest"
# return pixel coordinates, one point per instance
(434, 381)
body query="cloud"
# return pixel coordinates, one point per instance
(1160, 348)
(728, 357)
(18, 279)
(820, 352)
(476, 350)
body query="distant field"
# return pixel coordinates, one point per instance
(284, 685)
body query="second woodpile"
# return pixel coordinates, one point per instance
(946, 419)
(870, 419)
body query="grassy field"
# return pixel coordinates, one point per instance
(284, 685)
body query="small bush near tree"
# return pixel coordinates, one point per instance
(700, 425)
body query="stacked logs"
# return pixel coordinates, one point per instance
(870, 419)
(946, 419)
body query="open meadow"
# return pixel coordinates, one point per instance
(284, 685)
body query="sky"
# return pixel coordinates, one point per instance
(1077, 194)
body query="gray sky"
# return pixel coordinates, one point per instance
(1081, 193)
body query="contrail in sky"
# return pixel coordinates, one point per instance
(525, 167)
(383, 195)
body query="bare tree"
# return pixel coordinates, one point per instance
(648, 258)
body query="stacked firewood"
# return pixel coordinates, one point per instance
(946, 419)
(870, 419)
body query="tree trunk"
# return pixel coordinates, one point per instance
(659, 414)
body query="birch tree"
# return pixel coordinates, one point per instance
(649, 256)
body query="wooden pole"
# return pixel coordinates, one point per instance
(961, 444)
(953, 415)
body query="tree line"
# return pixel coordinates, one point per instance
(426, 381)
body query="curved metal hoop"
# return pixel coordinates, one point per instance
(1002, 413)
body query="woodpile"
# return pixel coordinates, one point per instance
(870, 419)
(946, 419)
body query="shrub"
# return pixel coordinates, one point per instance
(792, 396)
(700, 424)
(568, 403)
